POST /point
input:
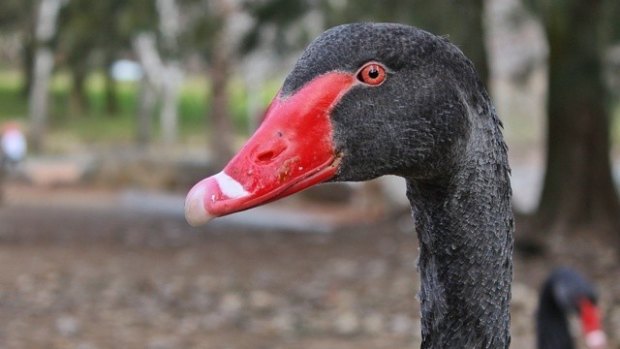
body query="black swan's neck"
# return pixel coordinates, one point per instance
(465, 228)
(552, 330)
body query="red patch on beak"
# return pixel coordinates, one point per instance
(591, 325)
(291, 150)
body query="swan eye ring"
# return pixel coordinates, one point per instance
(372, 73)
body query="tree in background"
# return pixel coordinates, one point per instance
(578, 190)
(214, 34)
(19, 16)
(93, 35)
(163, 74)
(79, 26)
(38, 108)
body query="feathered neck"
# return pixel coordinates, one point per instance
(552, 331)
(465, 228)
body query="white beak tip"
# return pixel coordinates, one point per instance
(195, 211)
(596, 340)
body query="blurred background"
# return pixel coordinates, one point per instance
(111, 110)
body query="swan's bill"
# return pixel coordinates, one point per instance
(292, 150)
(195, 212)
(229, 186)
(596, 339)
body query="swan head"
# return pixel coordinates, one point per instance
(364, 100)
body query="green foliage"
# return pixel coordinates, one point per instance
(15, 14)
(13, 105)
(203, 24)
(280, 15)
(99, 126)
(93, 34)
(559, 16)
(106, 26)
(611, 16)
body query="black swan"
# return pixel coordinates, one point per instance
(566, 292)
(369, 99)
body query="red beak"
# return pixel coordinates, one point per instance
(591, 325)
(292, 150)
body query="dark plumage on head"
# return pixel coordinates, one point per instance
(566, 293)
(372, 99)
(569, 288)
(415, 124)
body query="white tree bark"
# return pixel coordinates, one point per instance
(146, 50)
(170, 27)
(43, 65)
(169, 22)
(256, 70)
(517, 51)
(146, 107)
(144, 46)
(162, 72)
(173, 80)
(38, 102)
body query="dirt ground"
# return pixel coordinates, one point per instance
(88, 274)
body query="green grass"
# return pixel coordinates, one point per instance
(96, 125)
(12, 104)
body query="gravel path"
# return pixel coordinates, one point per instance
(91, 275)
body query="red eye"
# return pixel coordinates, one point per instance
(372, 74)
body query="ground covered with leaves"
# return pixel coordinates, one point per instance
(94, 275)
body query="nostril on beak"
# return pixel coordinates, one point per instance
(265, 156)
(268, 155)
(270, 150)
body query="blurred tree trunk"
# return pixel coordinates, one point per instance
(222, 130)
(146, 107)
(578, 186)
(222, 135)
(171, 91)
(39, 99)
(43, 64)
(463, 22)
(144, 46)
(27, 66)
(172, 74)
(78, 96)
(474, 27)
(111, 101)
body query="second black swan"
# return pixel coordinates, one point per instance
(564, 293)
